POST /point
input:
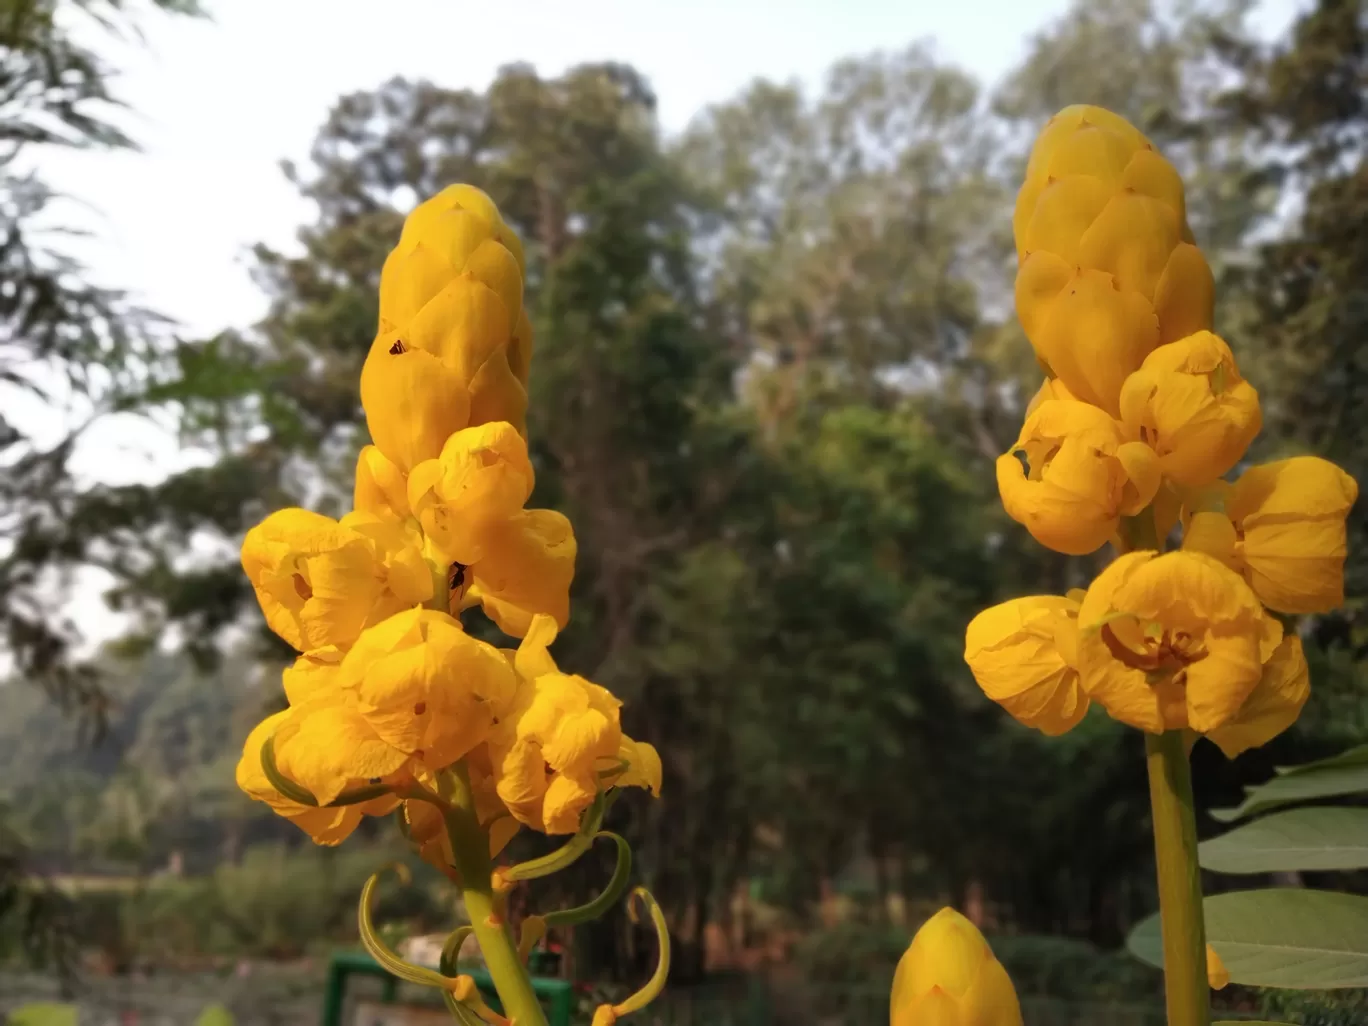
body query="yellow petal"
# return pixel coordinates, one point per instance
(1040, 281)
(574, 720)
(522, 781)
(533, 657)
(1149, 174)
(380, 485)
(1131, 239)
(313, 675)
(566, 799)
(1020, 654)
(1214, 534)
(316, 580)
(643, 766)
(333, 749)
(1094, 335)
(526, 569)
(1273, 705)
(398, 544)
(1292, 517)
(413, 402)
(412, 275)
(1185, 298)
(1218, 976)
(1063, 213)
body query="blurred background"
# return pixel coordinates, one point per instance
(770, 271)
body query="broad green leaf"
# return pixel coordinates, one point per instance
(1300, 785)
(42, 1013)
(1281, 937)
(1357, 756)
(215, 1015)
(1298, 839)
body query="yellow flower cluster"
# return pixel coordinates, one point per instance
(1142, 414)
(389, 690)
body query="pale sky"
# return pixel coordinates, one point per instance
(216, 105)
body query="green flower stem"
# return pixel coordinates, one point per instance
(470, 848)
(1180, 883)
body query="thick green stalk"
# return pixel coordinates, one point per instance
(470, 847)
(1180, 883)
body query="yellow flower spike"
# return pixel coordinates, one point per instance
(1273, 705)
(381, 488)
(527, 569)
(607, 1015)
(1107, 266)
(1290, 516)
(1189, 402)
(1024, 655)
(316, 580)
(481, 478)
(948, 976)
(1173, 641)
(1079, 478)
(476, 202)
(426, 687)
(1218, 976)
(413, 402)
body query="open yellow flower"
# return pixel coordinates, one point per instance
(326, 767)
(1172, 642)
(562, 743)
(1024, 655)
(413, 401)
(398, 544)
(482, 478)
(1189, 402)
(948, 976)
(381, 487)
(312, 675)
(318, 581)
(1288, 518)
(1108, 269)
(427, 688)
(517, 562)
(1080, 476)
(1273, 705)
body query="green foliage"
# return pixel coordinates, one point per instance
(1280, 937)
(1336, 1008)
(215, 1015)
(1302, 839)
(42, 1014)
(1343, 774)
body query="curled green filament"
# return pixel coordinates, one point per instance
(656, 983)
(570, 851)
(381, 952)
(610, 895)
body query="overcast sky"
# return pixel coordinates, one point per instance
(217, 104)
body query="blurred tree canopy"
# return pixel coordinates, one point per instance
(775, 358)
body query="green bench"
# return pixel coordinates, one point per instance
(557, 996)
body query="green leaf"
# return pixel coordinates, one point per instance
(1281, 937)
(1298, 839)
(1346, 773)
(215, 1015)
(42, 1013)
(1250, 1022)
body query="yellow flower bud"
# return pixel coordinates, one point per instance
(318, 582)
(520, 348)
(380, 485)
(1190, 403)
(1172, 642)
(949, 977)
(425, 687)
(1218, 976)
(413, 401)
(1080, 477)
(461, 197)
(1107, 266)
(1289, 518)
(1024, 655)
